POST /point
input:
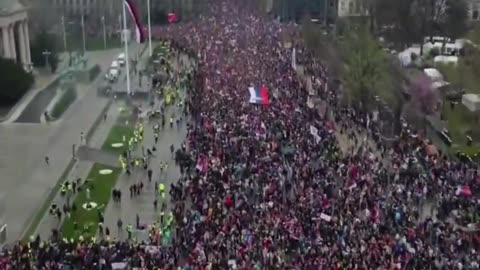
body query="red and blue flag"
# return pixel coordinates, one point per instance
(259, 95)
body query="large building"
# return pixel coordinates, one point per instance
(94, 9)
(351, 8)
(473, 9)
(15, 34)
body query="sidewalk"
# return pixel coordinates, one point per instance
(43, 78)
(81, 169)
(28, 197)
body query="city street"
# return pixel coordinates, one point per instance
(27, 183)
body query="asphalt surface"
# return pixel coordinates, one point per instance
(37, 106)
(143, 205)
(27, 179)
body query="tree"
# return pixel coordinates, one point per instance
(44, 42)
(397, 20)
(410, 21)
(365, 66)
(15, 81)
(311, 34)
(424, 95)
(455, 23)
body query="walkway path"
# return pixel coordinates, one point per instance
(128, 208)
(81, 168)
(37, 105)
(31, 180)
(142, 205)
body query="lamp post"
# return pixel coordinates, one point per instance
(104, 33)
(46, 54)
(64, 34)
(127, 59)
(325, 13)
(149, 30)
(120, 21)
(83, 33)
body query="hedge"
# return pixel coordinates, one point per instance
(94, 71)
(67, 98)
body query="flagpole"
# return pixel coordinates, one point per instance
(83, 34)
(127, 59)
(149, 30)
(104, 33)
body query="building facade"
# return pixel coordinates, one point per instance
(351, 8)
(473, 10)
(91, 8)
(15, 35)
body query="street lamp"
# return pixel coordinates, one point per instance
(83, 33)
(64, 34)
(104, 33)
(149, 30)
(64, 30)
(46, 54)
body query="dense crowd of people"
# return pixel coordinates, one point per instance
(270, 188)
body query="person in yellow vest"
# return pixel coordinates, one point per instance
(161, 188)
(137, 163)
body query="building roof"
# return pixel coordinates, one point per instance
(10, 6)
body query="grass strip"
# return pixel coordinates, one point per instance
(46, 205)
(66, 99)
(116, 137)
(100, 182)
(40, 214)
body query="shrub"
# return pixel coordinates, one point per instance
(67, 98)
(14, 81)
(94, 71)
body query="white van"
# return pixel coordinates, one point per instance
(113, 71)
(437, 39)
(121, 59)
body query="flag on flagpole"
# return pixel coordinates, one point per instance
(259, 95)
(172, 18)
(139, 29)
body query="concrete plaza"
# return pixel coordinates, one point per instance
(142, 205)
(27, 179)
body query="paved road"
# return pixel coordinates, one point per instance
(30, 183)
(128, 208)
(142, 205)
(39, 103)
(81, 169)
(36, 107)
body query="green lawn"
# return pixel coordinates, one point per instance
(161, 49)
(460, 122)
(100, 186)
(66, 99)
(462, 76)
(46, 205)
(116, 136)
